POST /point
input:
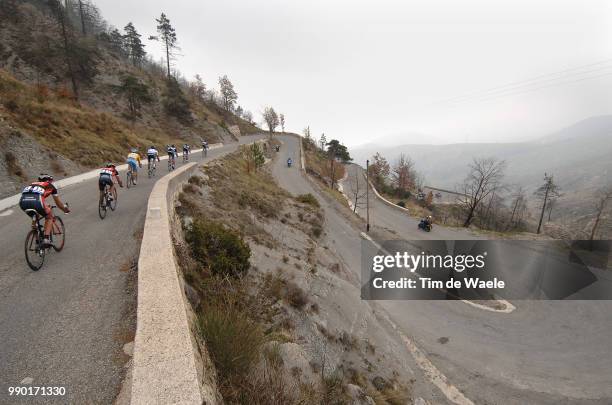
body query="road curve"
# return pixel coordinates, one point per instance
(66, 324)
(545, 352)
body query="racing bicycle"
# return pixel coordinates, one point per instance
(35, 249)
(152, 168)
(130, 177)
(109, 201)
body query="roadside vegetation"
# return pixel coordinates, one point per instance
(86, 92)
(252, 260)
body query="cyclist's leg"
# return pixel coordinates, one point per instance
(48, 220)
(101, 186)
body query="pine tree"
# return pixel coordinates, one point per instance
(168, 37)
(227, 92)
(133, 44)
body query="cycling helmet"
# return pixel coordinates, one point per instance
(45, 177)
(110, 164)
(134, 150)
(173, 145)
(152, 147)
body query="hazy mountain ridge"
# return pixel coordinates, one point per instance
(579, 156)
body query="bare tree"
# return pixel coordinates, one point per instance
(603, 198)
(248, 117)
(198, 88)
(282, 122)
(323, 141)
(403, 174)
(551, 204)
(358, 191)
(379, 170)
(519, 206)
(484, 176)
(547, 191)
(271, 119)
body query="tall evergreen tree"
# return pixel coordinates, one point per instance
(168, 37)
(227, 92)
(133, 44)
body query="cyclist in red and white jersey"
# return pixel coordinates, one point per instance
(34, 197)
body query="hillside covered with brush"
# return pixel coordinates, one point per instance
(76, 92)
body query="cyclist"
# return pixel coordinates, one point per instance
(186, 151)
(289, 162)
(107, 174)
(152, 155)
(205, 147)
(133, 160)
(33, 197)
(171, 150)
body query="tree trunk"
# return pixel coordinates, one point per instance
(62, 21)
(596, 224)
(82, 15)
(168, 58)
(543, 208)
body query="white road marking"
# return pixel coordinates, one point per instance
(434, 375)
(27, 381)
(6, 213)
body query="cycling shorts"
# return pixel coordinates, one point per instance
(133, 164)
(36, 203)
(151, 157)
(104, 181)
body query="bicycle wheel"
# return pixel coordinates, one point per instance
(129, 179)
(112, 203)
(58, 235)
(102, 207)
(35, 255)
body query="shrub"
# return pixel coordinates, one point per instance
(295, 296)
(11, 105)
(317, 231)
(308, 199)
(402, 204)
(197, 180)
(232, 339)
(221, 250)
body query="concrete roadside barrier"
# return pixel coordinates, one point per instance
(164, 367)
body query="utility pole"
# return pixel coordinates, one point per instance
(367, 196)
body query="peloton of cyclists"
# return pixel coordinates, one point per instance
(34, 197)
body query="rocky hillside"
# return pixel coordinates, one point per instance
(50, 123)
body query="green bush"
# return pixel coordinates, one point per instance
(221, 250)
(308, 199)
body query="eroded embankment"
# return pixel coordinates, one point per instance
(275, 311)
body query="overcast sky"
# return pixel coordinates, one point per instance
(428, 71)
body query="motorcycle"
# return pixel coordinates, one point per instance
(424, 225)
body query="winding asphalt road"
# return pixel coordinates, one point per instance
(544, 352)
(66, 324)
